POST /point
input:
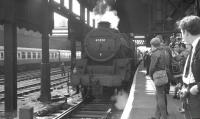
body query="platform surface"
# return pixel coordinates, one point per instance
(144, 102)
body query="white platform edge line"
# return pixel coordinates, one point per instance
(129, 104)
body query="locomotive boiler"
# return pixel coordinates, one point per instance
(108, 63)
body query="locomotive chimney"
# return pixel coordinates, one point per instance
(104, 24)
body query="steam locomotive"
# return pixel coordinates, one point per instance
(30, 58)
(108, 64)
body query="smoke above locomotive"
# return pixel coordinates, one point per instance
(104, 43)
(104, 12)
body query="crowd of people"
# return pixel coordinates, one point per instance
(181, 61)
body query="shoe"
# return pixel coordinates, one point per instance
(175, 97)
(167, 92)
(181, 110)
(152, 118)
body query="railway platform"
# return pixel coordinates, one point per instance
(141, 102)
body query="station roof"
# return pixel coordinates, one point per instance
(90, 4)
(136, 16)
(143, 16)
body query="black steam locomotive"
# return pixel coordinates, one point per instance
(109, 61)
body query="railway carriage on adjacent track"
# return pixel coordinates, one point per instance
(30, 58)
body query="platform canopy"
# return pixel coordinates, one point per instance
(29, 14)
(145, 16)
(90, 4)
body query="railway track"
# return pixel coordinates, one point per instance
(35, 87)
(97, 109)
(29, 75)
(89, 108)
(26, 87)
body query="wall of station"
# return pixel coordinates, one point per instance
(33, 39)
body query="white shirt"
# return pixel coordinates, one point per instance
(190, 78)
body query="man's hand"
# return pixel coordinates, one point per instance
(194, 90)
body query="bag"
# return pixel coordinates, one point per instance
(160, 77)
(176, 67)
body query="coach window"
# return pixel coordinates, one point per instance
(39, 55)
(23, 55)
(29, 55)
(55, 55)
(19, 55)
(61, 55)
(2, 55)
(49, 55)
(68, 55)
(65, 55)
(34, 55)
(52, 56)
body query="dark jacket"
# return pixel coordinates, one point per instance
(196, 64)
(160, 59)
(194, 100)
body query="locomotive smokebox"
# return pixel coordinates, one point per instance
(104, 24)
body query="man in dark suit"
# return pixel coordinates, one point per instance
(190, 29)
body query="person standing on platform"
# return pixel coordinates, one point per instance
(62, 67)
(190, 30)
(176, 69)
(168, 58)
(144, 58)
(159, 62)
(147, 60)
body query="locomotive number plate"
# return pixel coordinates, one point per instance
(100, 40)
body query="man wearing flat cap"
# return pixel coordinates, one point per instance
(159, 61)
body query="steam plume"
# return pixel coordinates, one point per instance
(103, 12)
(121, 99)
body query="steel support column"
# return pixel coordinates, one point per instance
(10, 66)
(62, 2)
(88, 17)
(45, 93)
(72, 40)
(10, 59)
(82, 18)
(70, 5)
(93, 23)
(82, 13)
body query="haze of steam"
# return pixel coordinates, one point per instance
(103, 13)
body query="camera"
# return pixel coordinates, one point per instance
(184, 93)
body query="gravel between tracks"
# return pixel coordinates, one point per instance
(31, 100)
